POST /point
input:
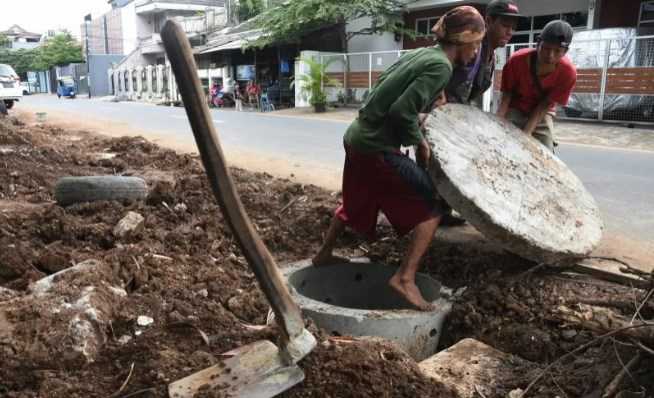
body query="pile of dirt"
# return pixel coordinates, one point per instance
(185, 273)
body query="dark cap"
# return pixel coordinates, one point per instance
(504, 8)
(557, 32)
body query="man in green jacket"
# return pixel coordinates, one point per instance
(377, 176)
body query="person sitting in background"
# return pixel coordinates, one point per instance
(252, 90)
(238, 97)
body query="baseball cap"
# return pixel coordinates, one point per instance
(505, 8)
(557, 32)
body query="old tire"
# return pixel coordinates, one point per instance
(9, 104)
(71, 190)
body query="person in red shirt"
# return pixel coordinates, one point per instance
(535, 80)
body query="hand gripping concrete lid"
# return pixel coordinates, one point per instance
(510, 187)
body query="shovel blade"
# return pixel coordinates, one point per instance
(255, 370)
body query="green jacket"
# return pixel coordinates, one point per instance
(389, 116)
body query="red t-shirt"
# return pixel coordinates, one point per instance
(517, 79)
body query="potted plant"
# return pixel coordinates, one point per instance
(319, 102)
(313, 83)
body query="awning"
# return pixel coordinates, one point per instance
(239, 40)
(232, 45)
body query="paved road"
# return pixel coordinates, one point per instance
(622, 181)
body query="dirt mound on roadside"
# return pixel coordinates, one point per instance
(184, 271)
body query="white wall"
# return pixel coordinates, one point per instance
(365, 43)
(542, 7)
(128, 20)
(17, 45)
(144, 25)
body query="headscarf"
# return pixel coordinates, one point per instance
(460, 25)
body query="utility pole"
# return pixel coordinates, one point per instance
(87, 21)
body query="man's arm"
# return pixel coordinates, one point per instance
(403, 113)
(509, 83)
(503, 110)
(422, 117)
(423, 153)
(537, 115)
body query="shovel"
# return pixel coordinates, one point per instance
(260, 369)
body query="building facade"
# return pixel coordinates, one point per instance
(132, 27)
(19, 38)
(581, 14)
(421, 15)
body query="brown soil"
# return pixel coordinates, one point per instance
(185, 271)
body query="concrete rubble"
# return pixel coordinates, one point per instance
(471, 368)
(66, 314)
(130, 225)
(509, 187)
(7, 294)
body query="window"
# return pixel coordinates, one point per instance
(529, 28)
(521, 38)
(646, 13)
(576, 19)
(422, 27)
(524, 24)
(542, 20)
(425, 25)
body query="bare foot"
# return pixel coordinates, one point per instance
(410, 292)
(329, 259)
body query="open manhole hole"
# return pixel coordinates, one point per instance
(355, 299)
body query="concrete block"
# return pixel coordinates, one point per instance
(86, 273)
(52, 329)
(7, 294)
(470, 367)
(64, 320)
(510, 187)
(131, 224)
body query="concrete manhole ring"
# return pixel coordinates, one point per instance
(510, 187)
(354, 299)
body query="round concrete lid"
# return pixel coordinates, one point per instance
(510, 187)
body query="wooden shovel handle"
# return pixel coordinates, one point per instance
(262, 263)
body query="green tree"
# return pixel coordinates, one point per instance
(4, 41)
(295, 18)
(62, 49)
(21, 60)
(248, 9)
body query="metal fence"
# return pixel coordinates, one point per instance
(352, 75)
(615, 78)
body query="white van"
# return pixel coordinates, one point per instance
(10, 89)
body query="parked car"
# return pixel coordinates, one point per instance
(10, 90)
(27, 89)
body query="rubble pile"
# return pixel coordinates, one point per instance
(116, 298)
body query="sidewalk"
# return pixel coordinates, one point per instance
(568, 132)
(606, 135)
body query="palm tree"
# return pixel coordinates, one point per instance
(313, 82)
